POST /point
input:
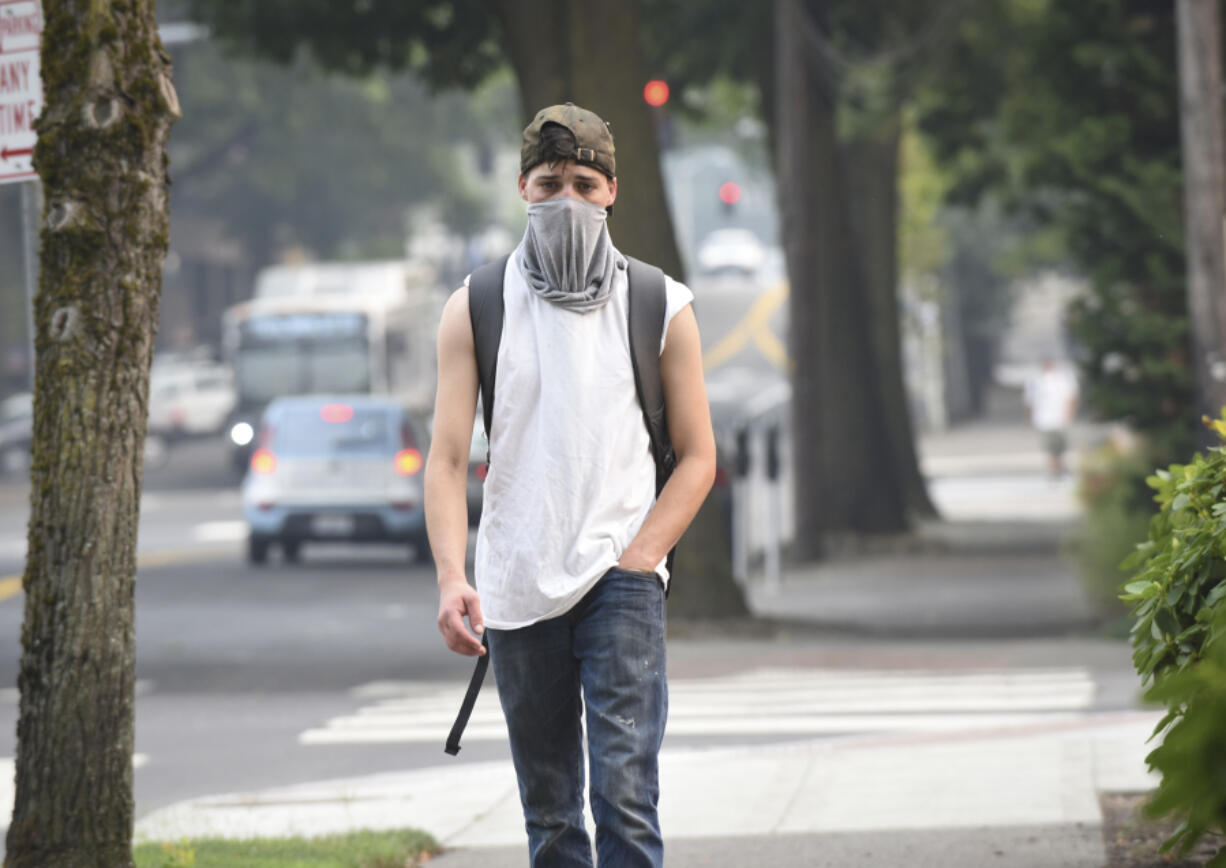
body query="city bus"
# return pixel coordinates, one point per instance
(331, 328)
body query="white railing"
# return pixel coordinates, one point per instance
(752, 419)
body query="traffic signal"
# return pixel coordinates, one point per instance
(655, 92)
(730, 193)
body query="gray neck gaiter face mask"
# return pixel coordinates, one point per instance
(567, 257)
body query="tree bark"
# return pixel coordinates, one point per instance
(101, 154)
(845, 468)
(871, 161)
(703, 586)
(1204, 183)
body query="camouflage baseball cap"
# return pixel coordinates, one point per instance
(593, 141)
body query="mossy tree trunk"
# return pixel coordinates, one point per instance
(101, 154)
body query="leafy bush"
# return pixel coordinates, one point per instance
(1178, 645)
(1118, 508)
(1192, 756)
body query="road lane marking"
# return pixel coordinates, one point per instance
(10, 586)
(220, 531)
(755, 327)
(790, 702)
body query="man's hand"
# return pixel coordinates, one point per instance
(458, 599)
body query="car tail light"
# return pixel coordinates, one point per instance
(265, 505)
(408, 462)
(263, 462)
(481, 471)
(338, 413)
(403, 505)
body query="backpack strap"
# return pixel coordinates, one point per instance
(485, 312)
(470, 699)
(648, 305)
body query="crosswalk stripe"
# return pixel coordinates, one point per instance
(763, 702)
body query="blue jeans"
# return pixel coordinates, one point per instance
(607, 653)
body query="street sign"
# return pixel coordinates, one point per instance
(21, 87)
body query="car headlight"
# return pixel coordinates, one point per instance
(242, 433)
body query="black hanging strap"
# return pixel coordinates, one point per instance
(470, 698)
(485, 311)
(648, 305)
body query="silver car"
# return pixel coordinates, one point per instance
(335, 469)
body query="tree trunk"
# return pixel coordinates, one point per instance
(586, 52)
(101, 154)
(1204, 182)
(702, 585)
(871, 167)
(845, 472)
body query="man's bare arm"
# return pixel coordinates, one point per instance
(689, 428)
(446, 477)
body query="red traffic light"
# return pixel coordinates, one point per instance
(730, 192)
(655, 92)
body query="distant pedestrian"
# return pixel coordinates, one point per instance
(572, 546)
(1052, 399)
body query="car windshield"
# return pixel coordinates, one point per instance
(333, 429)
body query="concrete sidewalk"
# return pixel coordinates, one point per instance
(1024, 797)
(1018, 796)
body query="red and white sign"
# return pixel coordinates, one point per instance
(21, 86)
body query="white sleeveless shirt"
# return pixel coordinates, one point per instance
(571, 476)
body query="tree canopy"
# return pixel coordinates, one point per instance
(294, 156)
(593, 58)
(1069, 113)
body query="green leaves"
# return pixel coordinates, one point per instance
(1142, 589)
(1179, 643)
(1070, 115)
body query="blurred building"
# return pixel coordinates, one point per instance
(205, 272)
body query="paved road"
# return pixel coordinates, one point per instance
(258, 677)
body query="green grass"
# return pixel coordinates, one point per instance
(394, 849)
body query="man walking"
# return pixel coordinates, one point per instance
(572, 546)
(1051, 400)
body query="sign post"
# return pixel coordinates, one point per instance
(21, 101)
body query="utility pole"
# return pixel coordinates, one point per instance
(1199, 24)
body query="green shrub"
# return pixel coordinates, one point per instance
(1192, 756)
(1178, 646)
(1118, 508)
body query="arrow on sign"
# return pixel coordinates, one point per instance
(15, 152)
